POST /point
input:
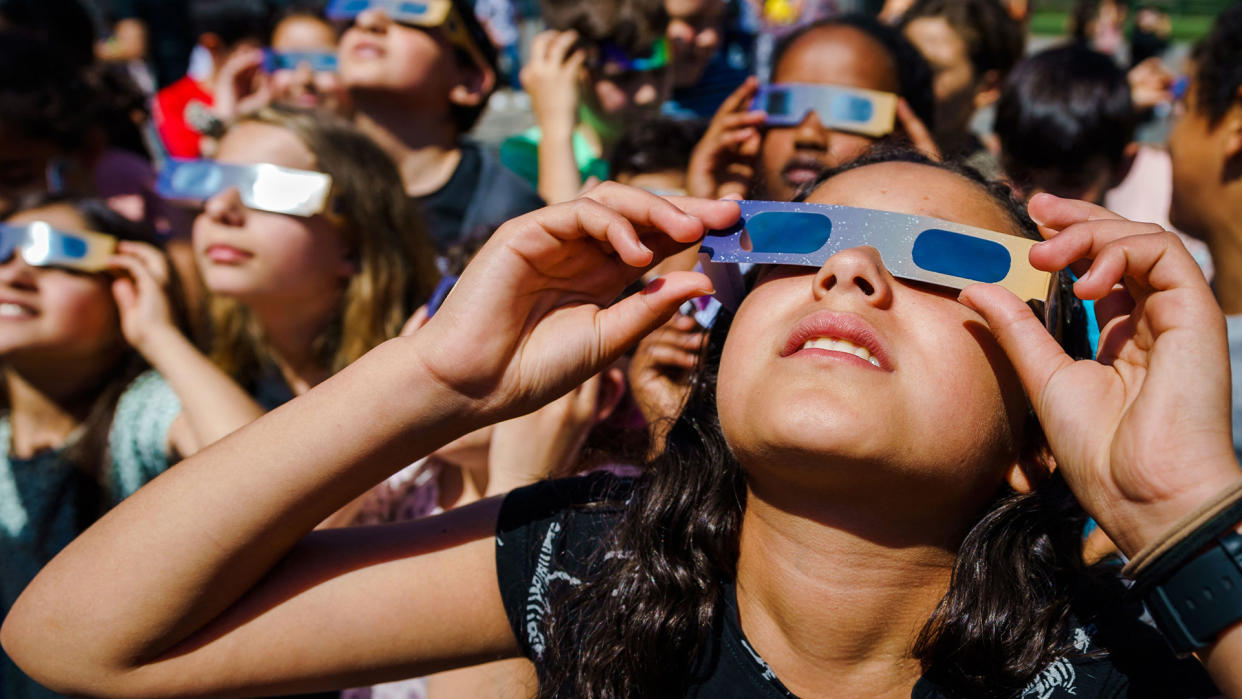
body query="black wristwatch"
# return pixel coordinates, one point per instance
(1201, 598)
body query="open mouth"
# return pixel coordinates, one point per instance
(802, 169)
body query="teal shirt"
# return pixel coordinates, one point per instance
(520, 154)
(40, 512)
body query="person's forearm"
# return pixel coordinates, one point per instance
(213, 405)
(559, 179)
(228, 514)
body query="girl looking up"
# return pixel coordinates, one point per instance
(811, 530)
(87, 421)
(296, 298)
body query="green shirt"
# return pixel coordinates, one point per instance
(520, 154)
(44, 499)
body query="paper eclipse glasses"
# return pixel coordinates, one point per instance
(916, 248)
(419, 13)
(263, 187)
(866, 112)
(41, 245)
(317, 61)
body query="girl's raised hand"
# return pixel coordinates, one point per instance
(142, 294)
(723, 162)
(533, 314)
(1142, 434)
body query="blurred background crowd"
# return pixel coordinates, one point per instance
(210, 206)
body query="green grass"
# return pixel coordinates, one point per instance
(1185, 27)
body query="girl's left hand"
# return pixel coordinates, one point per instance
(1142, 434)
(142, 296)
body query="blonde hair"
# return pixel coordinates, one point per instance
(382, 230)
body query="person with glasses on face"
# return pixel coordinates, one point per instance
(838, 86)
(600, 67)
(419, 75)
(310, 251)
(99, 399)
(876, 489)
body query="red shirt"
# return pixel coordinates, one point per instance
(181, 140)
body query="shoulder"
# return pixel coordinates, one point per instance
(138, 438)
(552, 534)
(495, 177)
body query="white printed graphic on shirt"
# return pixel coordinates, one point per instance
(536, 596)
(1060, 674)
(767, 671)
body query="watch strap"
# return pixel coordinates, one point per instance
(1202, 598)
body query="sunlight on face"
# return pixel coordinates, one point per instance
(938, 415)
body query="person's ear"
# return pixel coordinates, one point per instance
(1232, 123)
(612, 388)
(473, 87)
(1030, 469)
(988, 89)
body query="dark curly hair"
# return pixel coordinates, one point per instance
(643, 626)
(1218, 65)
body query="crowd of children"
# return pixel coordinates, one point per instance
(686, 388)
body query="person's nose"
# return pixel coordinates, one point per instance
(810, 133)
(373, 19)
(226, 208)
(15, 273)
(858, 273)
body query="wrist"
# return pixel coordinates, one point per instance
(159, 344)
(1136, 525)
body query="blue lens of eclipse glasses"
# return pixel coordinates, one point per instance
(317, 61)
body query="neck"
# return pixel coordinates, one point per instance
(46, 404)
(292, 331)
(425, 149)
(805, 571)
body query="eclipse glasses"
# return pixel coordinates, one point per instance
(262, 187)
(317, 61)
(917, 248)
(418, 13)
(43, 246)
(866, 112)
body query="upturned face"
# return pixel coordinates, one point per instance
(843, 376)
(792, 156)
(258, 256)
(55, 314)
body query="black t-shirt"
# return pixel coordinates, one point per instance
(552, 534)
(480, 195)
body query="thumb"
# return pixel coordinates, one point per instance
(627, 321)
(1034, 353)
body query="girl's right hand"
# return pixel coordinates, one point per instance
(531, 316)
(723, 162)
(142, 296)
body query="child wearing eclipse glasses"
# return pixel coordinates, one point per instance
(837, 87)
(310, 250)
(877, 487)
(601, 67)
(102, 392)
(419, 75)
